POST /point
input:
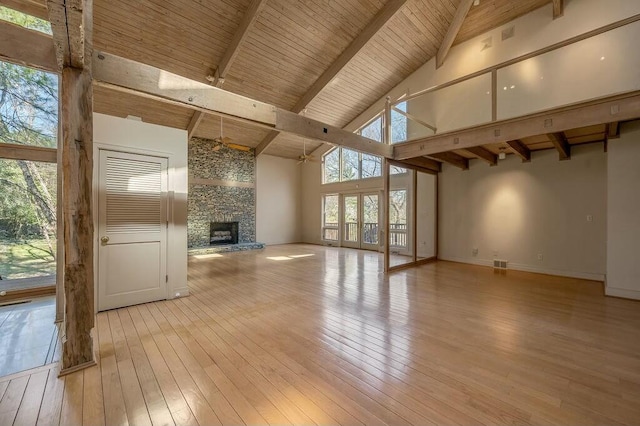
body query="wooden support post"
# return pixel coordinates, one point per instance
(72, 26)
(385, 212)
(77, 165)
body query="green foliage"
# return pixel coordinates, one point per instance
(24, 259)
(28, 116)
(24, 20)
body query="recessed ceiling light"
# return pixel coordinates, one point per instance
(513, 86)
(602, 58)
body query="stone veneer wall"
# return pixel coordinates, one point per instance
(215, 203)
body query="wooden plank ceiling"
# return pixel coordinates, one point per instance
(288, 46)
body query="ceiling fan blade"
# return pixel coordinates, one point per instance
(216, 148)
(238, 147)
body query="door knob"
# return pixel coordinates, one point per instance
(104, 239)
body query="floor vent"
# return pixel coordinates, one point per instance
(499, 264)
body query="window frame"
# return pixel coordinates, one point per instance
(324, 226)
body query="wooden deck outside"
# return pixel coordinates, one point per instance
(301, 334)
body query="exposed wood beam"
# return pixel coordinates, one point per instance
(66, 17)
(422, 162)
(558, 8)
(144, 80)
(29, 7)
(383, 16)
(28, 153)
(287, 121)
(613, 130)
(407, 165)
(452, 32)
(27, 47)
(266, 142)
(520, 149)
(484, 154)
(559, 141)
(250, 16)
(373, 27)
(196, 118)
(599, 111)
(452, 158)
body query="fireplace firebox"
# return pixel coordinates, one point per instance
(222, 233)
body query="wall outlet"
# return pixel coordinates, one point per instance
(540, 257)
(589, 218)
(474, 251)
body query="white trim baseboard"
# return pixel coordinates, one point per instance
(529, 268)
(622, 292)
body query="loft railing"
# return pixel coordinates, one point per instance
(541, 80)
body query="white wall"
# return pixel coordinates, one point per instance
(138, 137)
(516, 211)
(278, 203)
(623, 216)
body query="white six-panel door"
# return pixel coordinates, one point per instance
(132, 228)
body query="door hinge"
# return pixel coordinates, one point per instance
(166, 278)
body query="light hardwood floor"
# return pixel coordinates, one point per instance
(302, 334)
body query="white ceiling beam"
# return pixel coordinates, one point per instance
(383, 16)
(452, 32)
(27, 47)
(29, 7)
(145, 80)
(250, 16)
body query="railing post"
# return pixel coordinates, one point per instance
(386, 137)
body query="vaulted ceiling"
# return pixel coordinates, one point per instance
(288, 46)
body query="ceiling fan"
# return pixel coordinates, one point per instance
(305, 158)
(222, 140)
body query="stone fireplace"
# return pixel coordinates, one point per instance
(221, 233)
(221, 190)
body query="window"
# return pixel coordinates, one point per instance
(395, 170)
(28, 106)
(399, 123)
(28, 189)
(350, 165)
(24, 20)
(343, 165)
(331, 166)
(371, 166)
(373, 130)
(330, 217)
(398, 218)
